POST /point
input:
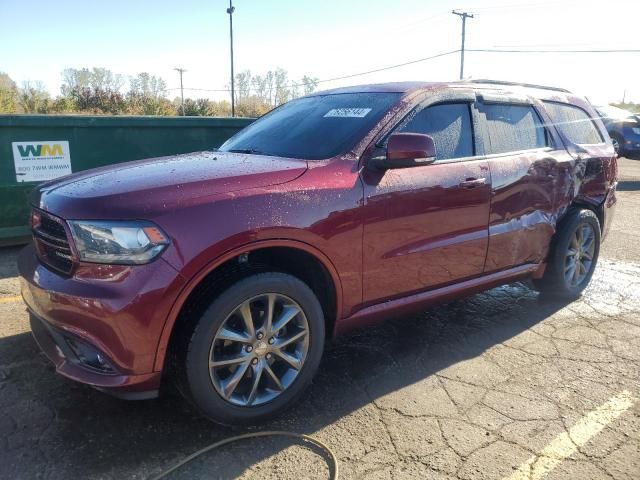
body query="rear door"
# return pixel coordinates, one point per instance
(426, 226)
(523, 158)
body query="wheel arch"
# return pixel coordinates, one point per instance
(587, 203)
(297, 258)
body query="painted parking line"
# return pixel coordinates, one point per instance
(13, 299)
(566, 444)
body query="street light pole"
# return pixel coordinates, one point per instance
(181, 71)
(463, 16)
(230, 11)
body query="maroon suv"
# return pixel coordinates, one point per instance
(229, 269)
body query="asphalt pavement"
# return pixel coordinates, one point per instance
(503, 385)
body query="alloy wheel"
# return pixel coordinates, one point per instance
(579, 257)
(259, 350)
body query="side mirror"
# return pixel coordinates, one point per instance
(407, 150)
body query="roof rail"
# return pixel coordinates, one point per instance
(517, 84)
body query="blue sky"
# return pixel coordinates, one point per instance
(324, 39)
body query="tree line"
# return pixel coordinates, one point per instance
(99, 91)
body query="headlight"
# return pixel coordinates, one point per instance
(119, 242)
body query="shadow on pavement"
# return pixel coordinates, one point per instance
(8, 265)
(51, 426)
(628, 186)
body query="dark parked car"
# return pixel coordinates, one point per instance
(228, 270)
(623, 128)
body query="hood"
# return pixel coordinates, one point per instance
(131, 189)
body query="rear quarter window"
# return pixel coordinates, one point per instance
(576, 124)
(512, 128)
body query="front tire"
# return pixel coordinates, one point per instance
(254, 350)
(573, 256)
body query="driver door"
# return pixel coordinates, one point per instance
(427, 226)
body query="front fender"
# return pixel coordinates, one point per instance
(193, 282)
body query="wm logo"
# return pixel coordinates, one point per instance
(41, 150)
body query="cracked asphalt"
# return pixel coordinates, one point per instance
(480, 388)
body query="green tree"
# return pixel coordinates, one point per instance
(243, 85)
(33, 97)
(309, 84)
(62, 105)
(281, 86)
(8, 94)
(95, 78)
(273, 88)
(252, 106)
(99, 91)
(147, 85)
(146, 96)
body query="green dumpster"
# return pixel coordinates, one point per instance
(35, 148)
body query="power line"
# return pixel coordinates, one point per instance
(509, 50)
(424, 59)
(411, 62)
(545, 45)
(516, 6)
(381, 69)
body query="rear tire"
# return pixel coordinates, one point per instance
(573, 256)
(263, 360)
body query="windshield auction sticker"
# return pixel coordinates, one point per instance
(348, 112)
(38, 161)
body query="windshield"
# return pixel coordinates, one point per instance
(313, 128)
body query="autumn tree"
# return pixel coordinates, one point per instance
(94, 79)
(146, 96)
(90, 100)
(8, 94)
(204, 107)
(101, 91)
(33, 97)
(271, 89)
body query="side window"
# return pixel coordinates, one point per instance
(574, 123)
(512, 128)
(449, 124)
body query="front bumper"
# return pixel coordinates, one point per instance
(55, 345)
(116, 312)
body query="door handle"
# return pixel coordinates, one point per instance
(473, 182)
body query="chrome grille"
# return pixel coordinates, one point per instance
(51, 241)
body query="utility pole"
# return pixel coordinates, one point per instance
(230, 11)
(624, 96)
(181, 71)
(463, 16)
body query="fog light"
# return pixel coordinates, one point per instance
(89, 357)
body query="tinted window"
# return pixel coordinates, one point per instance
(513, 127)
(313, 127)
(450, 126)
(574, 123)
